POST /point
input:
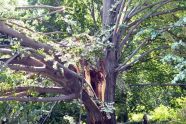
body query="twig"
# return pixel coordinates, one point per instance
(8, 61)
(53, 12)
(48, 115)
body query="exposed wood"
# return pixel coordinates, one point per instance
(98, 83)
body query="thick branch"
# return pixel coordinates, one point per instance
(146, 7)
(119, 17)
(40, 99)
(142, 44)
(168, 11)
(72, 73)
(135, 51)
(156, 85)
(34, 88)
(41, 7)
(90, 105)
(159, 14)
(20, 94)
(12, 23)
(27, 68)
(24, 40)
(5, 51)
(27, 61)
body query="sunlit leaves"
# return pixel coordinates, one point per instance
(5, 9)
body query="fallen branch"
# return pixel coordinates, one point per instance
(24, 40)
(5, 51)
(40, 99)
(41, 7)
(34, 88)
(27, 68)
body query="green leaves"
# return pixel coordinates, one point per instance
(108, 108)
(178, 60)
(181, 22)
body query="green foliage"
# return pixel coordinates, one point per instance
(163, 113)
(108, 108)
(137, 117)
(176, 56)
(5, 8)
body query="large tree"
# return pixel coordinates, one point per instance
(128, 26)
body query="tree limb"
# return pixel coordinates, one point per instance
(135, 51)
(146, 7)
(139, 22)
(159, 14)
(27, 61)
(142, 44)
(27, 68)
(41, 7)
(21, 26)
(5, 51)
(16, 94)
(40, 99)
(156, 85)
(122, 67)
(118, 18)
(24, 40)
(34, 88)
(168, 11)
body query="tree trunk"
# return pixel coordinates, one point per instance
(91, 118)
(111, 75)
(103, 83)
(103, 80)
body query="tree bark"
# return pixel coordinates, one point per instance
(111, 75)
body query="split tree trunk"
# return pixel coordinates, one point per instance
(103, 82)
(105, 86)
